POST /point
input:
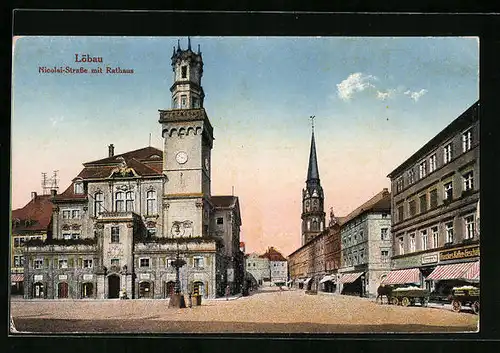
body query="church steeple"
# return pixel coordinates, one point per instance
(313, 215)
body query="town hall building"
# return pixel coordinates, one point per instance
(125, 218)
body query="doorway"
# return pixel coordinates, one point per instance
(198, 288)
(113, 286)
(87, 290)
(169, 288)
(38, 290)
(62, 290)
(145, 290)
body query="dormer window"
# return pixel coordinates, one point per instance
(184, 71)
(79, 188)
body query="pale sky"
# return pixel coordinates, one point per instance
(376, 100)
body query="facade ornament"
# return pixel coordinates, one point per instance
(130, 225)
(99, 226)
(199, 204)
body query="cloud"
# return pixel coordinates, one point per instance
(386, 95)
(416, 95)
(356, 82)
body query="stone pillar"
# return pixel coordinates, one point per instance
(101, 292)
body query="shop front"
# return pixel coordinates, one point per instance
(328, 283)
(353, 283)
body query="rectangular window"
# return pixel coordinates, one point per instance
(168, 263)
(17, 261)
(21, 260)
(469, 227)
(151, 232)
(468, 179)
(220, 220)
(435, 237)
(66, 214)
(129, 201)
(151, 202)
(400, 213)
(38, 264)
(449, 232)
(87, 263)
(115, 262)
(78, 188)
(115, 234)
(17, 242)
(361, 255)
(98, 203)
(183, 101)
(401, 246)
(467, 140)
(63, 263)
(144, 262)
(412, 207)
(21, 241)
(399, 184)
(432, 163)
(411, 176)
(448, 191)
(447, 153)
(66, 236)
(423, 203)
(425, 242)
(412, 243)
(384, 254)
(433, 195)
(119, 202)
(184, 71)
(422, 170)
(75, 214)
(75, 235)
(383, 233)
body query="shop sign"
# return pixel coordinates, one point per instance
(144, 276)
(230, 275)
(63, 277)
(405, 262)
(429, 259)
(88, 277)
(462, 253)
(38, 277)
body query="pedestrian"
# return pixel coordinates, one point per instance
(227, 292)
(190, 300)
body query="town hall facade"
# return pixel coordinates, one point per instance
(125, 218)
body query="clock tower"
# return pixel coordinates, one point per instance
(313, 215)
(188, 140)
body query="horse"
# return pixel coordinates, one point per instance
(382, 291)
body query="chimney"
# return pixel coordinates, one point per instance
(53, 192)
(111, 150)
(33, 195)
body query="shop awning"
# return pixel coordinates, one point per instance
(17, 277)
(328, 278)
(409, 275)
(306, 281)
(452, 271)
(350, 277)
(472, 274)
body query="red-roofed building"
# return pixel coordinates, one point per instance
(33, 221)
(278, 267)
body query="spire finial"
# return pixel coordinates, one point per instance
(178, 45)
(174, 51)
(199, 52)
(312, 121)
(189, 43)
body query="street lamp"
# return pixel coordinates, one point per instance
(177, 299)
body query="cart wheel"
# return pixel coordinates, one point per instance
(394, 301)
(405, 301)
(457, 306)
(475, 307)
(424, 301)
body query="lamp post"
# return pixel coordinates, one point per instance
(177, 299)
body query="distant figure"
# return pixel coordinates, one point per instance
(382, 291)
(227, 292)
(190, 300)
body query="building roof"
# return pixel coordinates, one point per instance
(381, 202)
(273, 255)
(460, 123)
(34, 216)
(224, 201)
(312, 170)
(144, 162)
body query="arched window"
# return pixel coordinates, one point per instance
(129, 201)
(119, 205)
(151, 202)
(98, 201)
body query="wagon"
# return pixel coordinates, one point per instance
(409, 296)
(465, 296)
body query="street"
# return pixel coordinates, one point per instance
(267, 310)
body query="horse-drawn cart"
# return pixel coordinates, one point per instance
(465, 295)
(409, 296)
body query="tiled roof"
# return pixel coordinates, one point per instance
(38, 212)
(273, 255)
(69, 194)
(224, 201)
(146, 153)
(380, 202)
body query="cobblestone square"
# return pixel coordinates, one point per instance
(267, 310)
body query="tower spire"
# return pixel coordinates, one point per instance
(312, 171)
(189, 43)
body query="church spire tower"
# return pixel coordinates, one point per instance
(313, 215)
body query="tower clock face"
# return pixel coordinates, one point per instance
(181, 157)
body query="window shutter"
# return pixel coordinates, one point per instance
(70, 262)
(163, 261)
(80, 262)
(191, 261)
(47, 262)
(208, 259)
